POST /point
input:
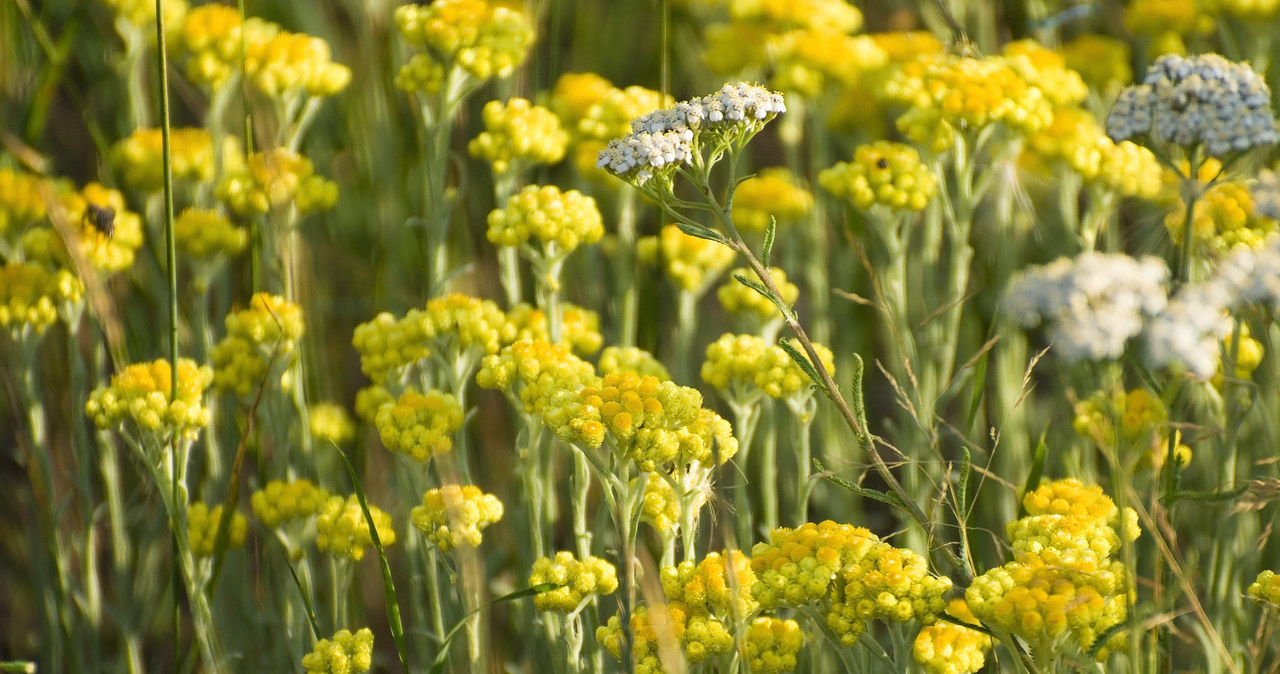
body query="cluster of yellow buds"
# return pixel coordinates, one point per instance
(1063, 584)
(1142, 418)
(453, 515)
(740, 300)
(343, 531)
(1046, 70)
(948, 648)
(887, 583)
(484, 39)
(631, 359)
(807, 62)
(202, 529)
(517, 134)
(579, 327)
(210, 40)
(1248, 353)
(645, 640)
(534, 372)
(1265, 591)
(720, 584)
(281, 501)
(660, 506)
(1166, 24)
(274, 179)
(452, 326)
(560, 221)
(798, 566)
(260, 339)
(578, 581)
(1253, 11)
(141, 14)
(370, 400)
(206, 235)
(30, 295)
(330, 422)
(947, 95)
(1076, 139)
(772, 644)
(735, 361)
(772, 193)
(1224, 218)
(420, 425)
(885, 173)
(691, 263)
(140, 157)
(594, 111)
(1102, 61)
(141, 393)
(345, 653)
(289, 63)
(21, 203)
(103, 231)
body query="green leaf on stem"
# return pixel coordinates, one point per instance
(966, 468)
(804, 364)
(1103, 638)
(1210, 496)
(306, 598)
(886, 498)
(769, 233)
(702, 232)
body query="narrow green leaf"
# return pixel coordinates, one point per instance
(979, 377)
(803, 364)
(443, 656)
(873, 494)
(759, 288)
(388, 586)
(769, 233)
(1103, 638)
(306, 598)
(859, 404)
(701, 232)
(966, 468)
(1037, 469)
(1211, 496)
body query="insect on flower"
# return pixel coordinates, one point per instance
(101, 218)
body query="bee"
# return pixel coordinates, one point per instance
(882, 163)
(101, 218)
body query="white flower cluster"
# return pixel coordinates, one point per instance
(1190, 328)
(1252, 275)
(1204, 99)
(665, 138)
(1094, 303)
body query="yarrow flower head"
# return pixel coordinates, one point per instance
(140, 393)
(884, 173)
(260, 339)
(453, 516)
(202, 529)
(518, 133)
(343, 531)
(344, 653)
(1201, 100)
(485, 39)
(579, 581)
(1186, 333)
(1093, 304)
(772, 193)
(420, 425)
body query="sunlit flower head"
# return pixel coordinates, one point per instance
(344, 653)
(579, 581)
(141, 395)
(772, 193)
(454, 516)
(343, 531)
(518, 133)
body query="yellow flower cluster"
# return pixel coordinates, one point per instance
(451, 326)
(1224, 219)
(330, 422)
(104, 231)
(261, 338)
(273, 179)
(1047, 70)
(141, 393)
(453, 515)
(885, 173)
(578, 581)
(773, 192)
(1265, 591)
(290, 63)
(786, 15)
(518, 134)
(579, 328)
(281, 501)
(886, 583)
(954, 94)
(1256, 11)
(644, 634)
(1102, 61)
(142, 13)
(1248, 355)
(345, 653)
(1142, 418)
(140, 157)
(661, 505)
(595, 112)
(740, 300)
(807, 61)
(205, 235)
(691, 263)
(484, 39)
(948, 648)
(422, 73)
(559, 220)
(31, 295)
(734, 360)
(904, 46)
(631, 359)
(369, 400)
(1063, 584)
(202, 529)
(720, 584)
(21, 204)
(210, 39)
(798, 566)
(772, 644)
(535, 372)
(1075, 138)
(420, 425)
(1166, 23)
(343, 531)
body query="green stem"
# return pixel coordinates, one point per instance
(626, 269)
